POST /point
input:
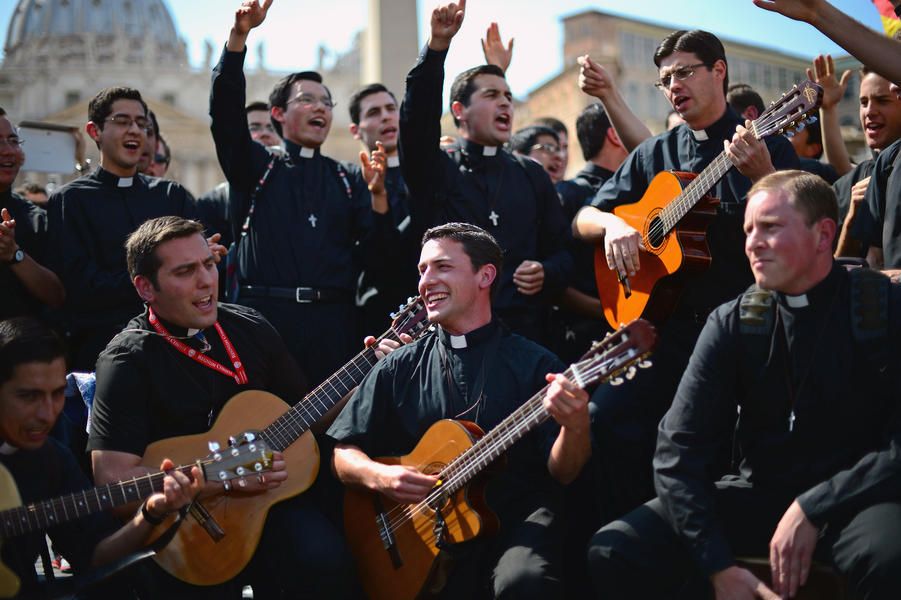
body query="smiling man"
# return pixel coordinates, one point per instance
(312, 221)
(91, 217)
(799, 378)
(693, 77)
(472, 368)
(510, 197)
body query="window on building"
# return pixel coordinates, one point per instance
(72, 97)
(169, 98)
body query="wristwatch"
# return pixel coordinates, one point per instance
(18, 257)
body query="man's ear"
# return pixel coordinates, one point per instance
(613, 137)
(277, 113)
(458, 110)
(93, 131)
(145, 288)
(355, 130)
(719, 68)
(826, 229)
(487, 275)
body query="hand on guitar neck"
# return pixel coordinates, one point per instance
(749, 154)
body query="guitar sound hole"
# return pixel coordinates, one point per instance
(656, 232)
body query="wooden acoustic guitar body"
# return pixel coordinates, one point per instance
(656, 287)
(192, 555)
(9, 498)
(410, 568)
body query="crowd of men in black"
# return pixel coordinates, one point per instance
(769, 424)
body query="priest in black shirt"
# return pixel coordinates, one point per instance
(799, 377)
(312, 223)
(513, 198)
(27, 285)
(694, 78)
(472, 368)
(170, 372)
(91, 217)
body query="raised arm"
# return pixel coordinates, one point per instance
(833, 90)
(494, 50)
(595, 81)
(878, 52)
(248, 16)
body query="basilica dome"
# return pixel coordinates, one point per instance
(94, 32)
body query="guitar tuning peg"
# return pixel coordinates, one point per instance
(252, 447)
(617, 381)
(232, 440)
(213, 446)
(257, 467)
(811, 119)
(249, 436)
(800, 127)
(235, 452)
(645, 364)
(226, 485)
(630, 373)
(241, 471)
(789, 134)
(223, 476)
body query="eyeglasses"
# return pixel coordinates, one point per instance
(257, 128)
(549, 148)
(679, 74)
(12, 141)
(308, 100)
(125, 122)
(161, 159)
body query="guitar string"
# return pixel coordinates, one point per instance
(492, 445)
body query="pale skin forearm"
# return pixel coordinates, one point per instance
(590, 224)
(236, 41)
(570, 452)
(631, 130)
(353, 467)
(833, 145)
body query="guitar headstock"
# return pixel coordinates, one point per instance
(616, 353)
(790, 111)
(248, 454)
(411, 318)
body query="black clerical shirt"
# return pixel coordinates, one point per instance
(682, 149)
(90, 219)
(31, 236)
(308, 218)
(842, 186)
(519, 208)
(878, 222)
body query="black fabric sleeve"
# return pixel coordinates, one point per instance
(691, 432)
(554, 237)
(119, 417)
(868, 224)
(365, 413)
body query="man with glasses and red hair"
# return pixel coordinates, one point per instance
(91, 217)
(694, 77)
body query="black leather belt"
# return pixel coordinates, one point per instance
(301, 295)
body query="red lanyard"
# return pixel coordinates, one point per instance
(239, 374)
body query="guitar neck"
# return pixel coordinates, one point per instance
(494, 443)
(48, 513)
(285, 430)
(694, 191)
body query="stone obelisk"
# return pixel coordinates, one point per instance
(391, 43)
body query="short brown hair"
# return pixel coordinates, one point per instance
(479, 245)
(140, 248)
(809, 194)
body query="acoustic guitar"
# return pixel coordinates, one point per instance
(201, 556)
(239, 460)
(672, 217)
(395, 546)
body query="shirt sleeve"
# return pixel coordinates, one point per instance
(366, 411)
(699, 420)
(627, 185)
(867, 226)
(120, 417)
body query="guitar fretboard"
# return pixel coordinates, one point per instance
(285, 430)
(694, 191)
(48, 513)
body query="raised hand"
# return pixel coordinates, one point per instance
(494, 50)
(799, 10)
(374, 167)
(8, 244)
(250, 14)
(446, 22)
(824, 74)
(594, 79)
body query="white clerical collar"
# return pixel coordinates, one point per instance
(7, 449)
(489, 150)
(192, 332)
(307, 152)
(125, 182)
(700, 134)
(393, 161)
(458, 341)
(799, 301)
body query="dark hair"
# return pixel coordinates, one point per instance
(256, 106)
(167, 153)
(140, 247)
(282, 90)
(741, 95)
(101, 105)
(357, 98)
(26, 340)
(479, 245)
(523, 140)
(591, 129)
(2, 112)
(30, 187)
(809, 194)
(554, 123)
(465, 85)
(703, 44)
(154, 123)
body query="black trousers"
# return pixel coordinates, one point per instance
(321, 336)
(640, 556)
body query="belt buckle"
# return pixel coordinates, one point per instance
(315, 295)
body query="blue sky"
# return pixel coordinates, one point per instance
(296, 28)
